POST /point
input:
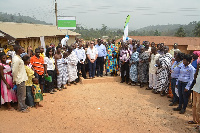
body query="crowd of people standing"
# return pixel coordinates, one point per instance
(27, 75)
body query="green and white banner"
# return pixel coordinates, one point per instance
(125, 37)
(66, 22)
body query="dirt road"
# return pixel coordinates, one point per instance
(99, 106)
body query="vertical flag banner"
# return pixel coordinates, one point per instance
(42, 41)
(125, 37)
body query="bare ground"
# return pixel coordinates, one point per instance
(99, 105)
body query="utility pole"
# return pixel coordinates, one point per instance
(56, 13)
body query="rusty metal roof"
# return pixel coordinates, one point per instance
(193, 43)
(25, 30)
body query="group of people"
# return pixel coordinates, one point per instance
(163, 71)
(27, 76)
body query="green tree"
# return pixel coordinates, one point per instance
(180, 32)
(104, 27)
(196, 30)
(156, 33)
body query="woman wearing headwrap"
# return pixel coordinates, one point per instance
(197, 53)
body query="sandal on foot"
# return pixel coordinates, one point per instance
(40, 105)
(25, 111)
(51, 92)
(192, 122)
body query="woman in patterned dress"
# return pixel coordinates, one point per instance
(163, 72)
(111, 61)
(142, 67)
(133, 67)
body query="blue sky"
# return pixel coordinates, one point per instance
(94, 13)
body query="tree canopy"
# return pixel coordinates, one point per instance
(180, 32)
(197, 30)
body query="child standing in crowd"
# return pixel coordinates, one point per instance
(133, 66)
(152, 69)
(19, 78)
(37, 63)
(28, 83)
(65, 65)
(184, 82)
(37, 93)
(7, 93)
(61, 77)
(143, 66)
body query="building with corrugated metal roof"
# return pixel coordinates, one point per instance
(29, 34)
(185, 44)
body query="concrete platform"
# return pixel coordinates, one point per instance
(100, 80)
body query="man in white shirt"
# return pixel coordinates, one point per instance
(80, 52)
(19, 78)
(92, 55)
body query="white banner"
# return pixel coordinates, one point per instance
(42, 42)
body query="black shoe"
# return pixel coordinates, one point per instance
(101, 75)
(182, 111)
(141, 85)
(172, 104)
(177, 109)
(122, 82)
(171, 100)
(54, 90)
